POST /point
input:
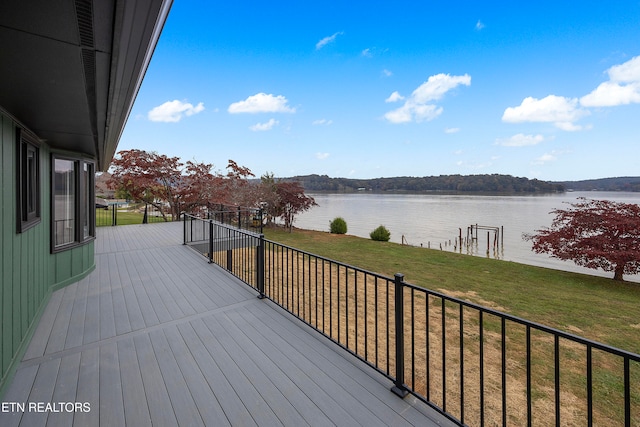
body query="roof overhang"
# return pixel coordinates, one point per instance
(70, 69)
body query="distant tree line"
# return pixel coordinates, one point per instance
(493, 183)
(625, 183)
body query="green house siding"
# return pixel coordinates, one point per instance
(29, 271)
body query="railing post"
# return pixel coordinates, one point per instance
(261, 220)
(260, 265)
(184, 228)
(398, 386)
(229, 251)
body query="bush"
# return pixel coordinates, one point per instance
(380, 234)
(338, 226)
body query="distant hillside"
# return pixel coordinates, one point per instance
(444, 183)
(625, 183)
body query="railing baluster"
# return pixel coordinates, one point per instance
(428, 349)
(375, 298)
(556, 371)
(346, 304)
(413, 340)
(330, 301)
(589, 388)
(528, 367)
(366, 319)
(627, 393)
(481, 363)
(355, 304)
(462, 363)
(444, 354)
(504, 371)
(210, 242)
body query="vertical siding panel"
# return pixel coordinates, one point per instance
(45, 229)
(25, 261)
(3, 255)
(6, 230)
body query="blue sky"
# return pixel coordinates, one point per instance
(547, 90)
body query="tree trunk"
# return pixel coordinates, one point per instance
(618, 273)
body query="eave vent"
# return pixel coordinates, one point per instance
(84, 13)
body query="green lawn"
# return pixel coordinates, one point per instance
(103, 217)
(593, 307)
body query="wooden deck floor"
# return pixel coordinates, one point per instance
(157, 336)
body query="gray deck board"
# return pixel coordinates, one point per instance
(37, 347)
(136, 410)
(201, 392)
(111, 401)
(157, 336)
(157, 397)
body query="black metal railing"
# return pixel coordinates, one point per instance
(142, 213)
(244, 218)
(476, 365)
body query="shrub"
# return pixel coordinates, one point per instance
(380, 234)
(338, 226)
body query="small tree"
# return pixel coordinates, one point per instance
(292, 201)
(338, 226)
(380, 234)
(594, 234)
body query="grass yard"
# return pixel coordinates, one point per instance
(103, 218)
(125, 217)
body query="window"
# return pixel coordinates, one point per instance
(73, 212)
(28, 168)
(88, 202)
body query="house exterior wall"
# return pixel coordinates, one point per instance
(29, 272)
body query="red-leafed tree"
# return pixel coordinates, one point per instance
(594, 234)
(291, 200)
(158, 179)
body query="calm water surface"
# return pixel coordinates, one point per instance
(435, 220)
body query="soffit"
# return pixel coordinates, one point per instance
(70, 69)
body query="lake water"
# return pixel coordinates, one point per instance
(435, 221)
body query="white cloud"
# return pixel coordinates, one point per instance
(173, 111)
(622, 88)
(610, 94)
(479, 25)
(322, 122)
(387, 73)
(437, 86)
(561, 111)
(395, 96)
(520, 140)
(419, 107)
(258, 127)
(322, 156)
(451, 130)
(325, 41)
(545, 158)
(262, 103)
(367, 53)
(627, 72)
